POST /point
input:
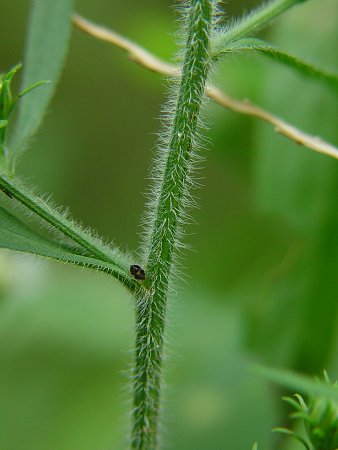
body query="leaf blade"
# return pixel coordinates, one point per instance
(47, 43)
(17, 236)
(297, 382)
(270, 51)
(254, 21)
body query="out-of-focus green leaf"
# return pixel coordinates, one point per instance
(6, 98)
(64, 356)
(64, 343)
(299, 383)
(296, 319)
(266, 49)
(47, 42)
(8, 102)
(15, 235)
(293, 435)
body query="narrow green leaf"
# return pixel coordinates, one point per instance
(299, 189)
(48, 212)
(15, 235)
(30, 88)
(6, 98)
(292, 434)
(283, 430)
(291, 61)
(298, 382)
(301, 402)
(47, 42)
(3, 123)
(252, 22)
(293, 403)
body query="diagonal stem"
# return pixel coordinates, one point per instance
(94, 248)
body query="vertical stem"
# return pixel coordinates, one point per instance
(174, 166)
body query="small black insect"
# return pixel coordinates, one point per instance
(137, 272)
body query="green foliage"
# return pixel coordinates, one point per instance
(234, 39)
(46, 48)
(320, 418)
(60, 221)
(7, 104)
(171, 197)
(266, 49)
(303, 297)
(16, 235)
(251, 23)
(302, 383)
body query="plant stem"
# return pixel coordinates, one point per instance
(174, 166)
(15, 189)
(253, 22)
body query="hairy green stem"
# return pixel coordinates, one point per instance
(175, 166)
(253, 22)
(270, 51)
(15, 189)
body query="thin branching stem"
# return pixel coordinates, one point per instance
(172, 172)
(281, 126)
(151, 62)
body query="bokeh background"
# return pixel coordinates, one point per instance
(260, 286)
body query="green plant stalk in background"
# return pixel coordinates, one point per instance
(173, 171)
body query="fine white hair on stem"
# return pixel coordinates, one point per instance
(170, 198)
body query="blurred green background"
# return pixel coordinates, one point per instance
(262, 279)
